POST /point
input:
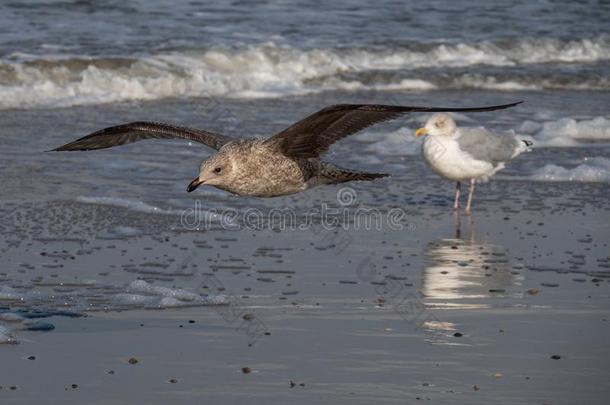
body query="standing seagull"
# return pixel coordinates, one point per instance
(461, 154)
(286, 163)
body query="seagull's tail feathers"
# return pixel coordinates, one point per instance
(525, 145)
(337, 176)
(521, 145)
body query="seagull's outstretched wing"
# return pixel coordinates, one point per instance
(136, 131)
(312, 136)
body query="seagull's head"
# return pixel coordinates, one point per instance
(215, 171)
(439, 124)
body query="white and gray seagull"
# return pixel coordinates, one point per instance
(467, 153)
(286, 163)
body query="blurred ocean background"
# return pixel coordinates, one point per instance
(66, 53)
(250, 68)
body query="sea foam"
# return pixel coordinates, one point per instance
(6, 335)
(272, 70)
(571, 132)
(142, 293)
(595, 169)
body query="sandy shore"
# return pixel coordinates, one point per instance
(513, 308)
(411, 306)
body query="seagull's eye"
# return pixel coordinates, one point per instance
(217, 170)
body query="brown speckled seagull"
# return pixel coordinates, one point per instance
(286, 163)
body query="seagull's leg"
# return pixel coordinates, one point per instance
(456, 203)
(472, 228)
(458, 224)
(470, 193)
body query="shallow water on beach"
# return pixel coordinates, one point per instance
(427, 310)
(89, 237)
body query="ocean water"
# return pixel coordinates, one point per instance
(66, 53)
(251, 68)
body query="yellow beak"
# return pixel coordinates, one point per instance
(421, 131)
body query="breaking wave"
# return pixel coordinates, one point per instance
(596, 169)
(567, 132)
(271, 70)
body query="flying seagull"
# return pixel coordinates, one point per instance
(286, 163)
(461, 154)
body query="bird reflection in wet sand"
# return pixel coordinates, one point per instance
(463, 273)
(462, 268)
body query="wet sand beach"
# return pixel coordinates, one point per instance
(468, 313)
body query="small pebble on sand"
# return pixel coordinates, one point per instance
(246, 370)
(132, 360)
(552, 285)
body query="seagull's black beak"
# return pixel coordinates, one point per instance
(194, 184)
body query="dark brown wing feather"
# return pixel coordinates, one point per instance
(136, 131)
(313, 135)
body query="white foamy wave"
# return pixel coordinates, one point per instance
(492, 83)
(129, 204)
(200, 215)
(119, 232)
(567, 131)
(142, 293)
(6, 335)
(10, 317)
(407, 84)
(482, 82)
(9, 293)
(270, 70)
(596, 169)
(525, 52)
